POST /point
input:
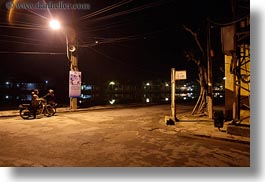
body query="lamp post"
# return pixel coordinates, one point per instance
(71, 50)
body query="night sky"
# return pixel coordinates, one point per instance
(139, 40)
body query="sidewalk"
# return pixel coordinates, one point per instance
(195, 125)
(202, 126)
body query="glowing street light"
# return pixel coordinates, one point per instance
(55, 24)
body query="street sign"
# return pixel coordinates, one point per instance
(181, 75)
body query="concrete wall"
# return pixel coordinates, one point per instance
(231, 89)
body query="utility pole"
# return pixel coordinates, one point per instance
(73, 67)
(236, 91)
(73, 59)
(209, 75)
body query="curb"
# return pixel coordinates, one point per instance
(223, 139)
(192, 135)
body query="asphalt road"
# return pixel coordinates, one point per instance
(113, 137)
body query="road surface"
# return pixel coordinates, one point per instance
(113, 137)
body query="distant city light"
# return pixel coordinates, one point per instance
(148, 84)
(183, 88)
(166, 99)
(7, 83)
(190, 89)
(96, 42)
(83, 96)
(147, 100)
(112, 101)
(112, 83)
(86, 87)
(46, 81)
(166, 84)
(224, 78)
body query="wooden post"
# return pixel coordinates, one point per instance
(173, 91)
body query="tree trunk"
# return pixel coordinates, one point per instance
(201, 104)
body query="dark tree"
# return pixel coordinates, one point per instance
(200, 60)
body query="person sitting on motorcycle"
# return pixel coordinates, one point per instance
(50, 98)
(35, 102)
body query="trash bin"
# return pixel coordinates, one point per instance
(219, 119)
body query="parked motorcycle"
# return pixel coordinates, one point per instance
(26, 110)
(54, 106)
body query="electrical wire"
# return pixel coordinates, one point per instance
(104, 27)
(133, 10)
(21, 14)
(123, 62)
(228, 23)
(23, 38)
(18, 42)
(102, 40)
(22, 24)
(103, 10)
(29, 43)
(24, 27)
(39, 15)
(32, 53)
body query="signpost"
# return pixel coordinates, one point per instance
(173, 92)
(175, 75)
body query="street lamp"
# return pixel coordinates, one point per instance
(55, 24)
(71, 49)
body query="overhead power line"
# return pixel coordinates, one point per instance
(22, 38)
(103, 10)
(24, 27)
(229, 23)
(119, 61)
(102, 40)
(32, 53)
(133, 10)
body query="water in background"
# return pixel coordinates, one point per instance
(112, 93)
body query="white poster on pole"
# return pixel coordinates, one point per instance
(74, 84)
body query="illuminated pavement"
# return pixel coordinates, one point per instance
(134, 136)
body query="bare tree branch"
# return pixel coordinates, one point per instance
(195, 37)
(201, 103)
